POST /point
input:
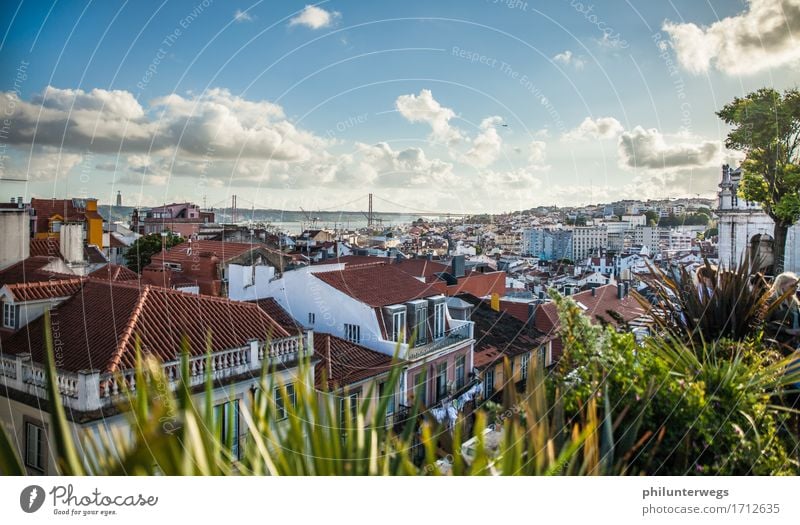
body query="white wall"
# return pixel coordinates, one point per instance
(14, 236)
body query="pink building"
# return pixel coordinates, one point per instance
(183, 218)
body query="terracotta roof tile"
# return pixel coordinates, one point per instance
(39, 290)
(187, 251)
(596, 307)
(345, 363)
(377, 285)
(499, 334)
(159, 317)
(45, 248)
(29, 270)
(281, 316)
(115, 272)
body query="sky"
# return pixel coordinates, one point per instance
(460, 106)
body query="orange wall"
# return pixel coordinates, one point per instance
(94, 226)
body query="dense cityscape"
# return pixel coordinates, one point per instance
(484, 238)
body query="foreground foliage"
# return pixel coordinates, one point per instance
(611, 406)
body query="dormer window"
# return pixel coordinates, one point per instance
(9, 315)
(395, 319)
(438, 320)
(418, 321)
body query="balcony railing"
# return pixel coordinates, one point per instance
(453, 336)
(90, 390)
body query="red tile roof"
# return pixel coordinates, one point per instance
(40, 290)
(355, 260)
(115, 272)
(29, 270)
(187, 251)
(516, 308)
(45, 248)
(344, 363)
(121, 313)
(281, 316)
(499, 334)
(422, 267)
(596, 307)
(46, 208)
(377, 285)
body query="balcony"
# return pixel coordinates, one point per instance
(89, 390)
(457, 334)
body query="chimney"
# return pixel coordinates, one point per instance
(71, 243)
(429, 256)
(457, 266)
(620, 291)
(532, 313)
(15, 227)
(594, 292)
(627, 287)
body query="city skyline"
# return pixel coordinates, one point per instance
(506, 106)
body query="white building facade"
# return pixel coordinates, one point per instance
(743, 226)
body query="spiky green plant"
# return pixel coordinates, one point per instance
(734, 308)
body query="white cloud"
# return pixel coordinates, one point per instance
(601, 128)
(486, 146)
(424, 108)
(215, 123)
(649, 149)
(759, 38)
(46, 164)
(538, 152)
(242, 16)
(315, 17)
(404, 168)
(569, 59)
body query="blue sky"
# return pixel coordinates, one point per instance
(471, 105)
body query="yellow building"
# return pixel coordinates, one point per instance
(50, 214)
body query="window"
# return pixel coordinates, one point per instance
(421, 389)
(383, 391)
(55, 226)
(525, 362)
(461, 364)
(352, 332)
(34, 446)
(421, 328)
(488, 383)
(399, 326)
(438, 320)
(541, 355)
(226, 419)
(9, 315)
(312, 318)
(441, 381)
(348, 402)
(280, 401)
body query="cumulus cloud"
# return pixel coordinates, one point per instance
(569, 59)
(46, 164)
(486, 146)
(600, 128)
(315, 17)
(537, 154)
(403, 168)
(215, 122)
(424, 108)
(242, 16)
(759, 38)
(648, 149)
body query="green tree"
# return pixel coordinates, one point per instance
(141, 252)
(766, 127)
(652, 217)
